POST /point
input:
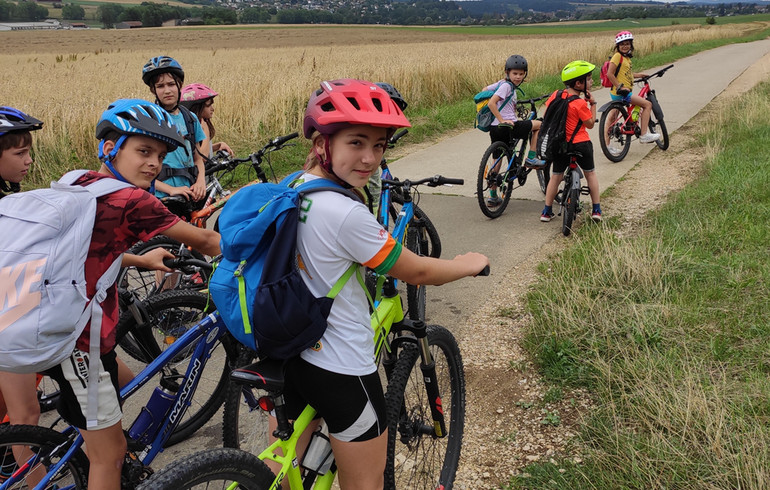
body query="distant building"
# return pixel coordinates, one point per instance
(171, 23)
(26, 26)
(129, 24)
(193, 21)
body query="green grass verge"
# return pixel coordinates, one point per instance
(670, 329)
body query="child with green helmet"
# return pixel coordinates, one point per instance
(581, 115)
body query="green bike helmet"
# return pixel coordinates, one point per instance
(576, 70)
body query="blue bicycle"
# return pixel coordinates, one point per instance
(56, 460)
(502, 167)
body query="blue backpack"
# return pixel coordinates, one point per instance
(257, 286)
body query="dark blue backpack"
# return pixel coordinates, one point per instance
(257, 286)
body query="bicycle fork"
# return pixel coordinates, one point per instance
(428, 368)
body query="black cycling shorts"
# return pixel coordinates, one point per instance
(586, 161)
(352, 406)
(520, 130)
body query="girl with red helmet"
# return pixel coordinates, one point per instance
(199, 99)
(623, 82)
(348, 122)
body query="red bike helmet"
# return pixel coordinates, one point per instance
(344, 102)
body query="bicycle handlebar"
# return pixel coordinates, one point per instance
(658, 73)
(533, 99)
(434, 181)
(227, 162)
(397, 136)
(182, 262)
(484, 272)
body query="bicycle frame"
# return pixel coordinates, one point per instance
(388, 317)
(204, 336)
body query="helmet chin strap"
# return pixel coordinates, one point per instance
(326, 163)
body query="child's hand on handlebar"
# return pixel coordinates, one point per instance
(476, 262)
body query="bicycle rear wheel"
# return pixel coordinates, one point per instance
(570, 205)
(244, 424)
(416, 457)
(171, 314)
(493, 185)
(215, 468)
(42, 442)
(615, 144)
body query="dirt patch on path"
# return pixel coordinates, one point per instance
(512, 420)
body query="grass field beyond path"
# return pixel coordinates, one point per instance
(670, 329)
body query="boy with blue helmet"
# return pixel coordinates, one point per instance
(183, 172)
(135, 136)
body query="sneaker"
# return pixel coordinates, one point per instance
(614, 151)
(534, 163)
(546, 217)
(649, 137)
(596, 216)
(494, 201)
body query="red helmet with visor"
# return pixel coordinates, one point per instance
(345, 102)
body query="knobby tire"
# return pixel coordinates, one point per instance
(493, 172)
(214, 468)
(619, 141)
(244, 427)
(416, 459)
(570, 204)
(434, 241)
(41, 440)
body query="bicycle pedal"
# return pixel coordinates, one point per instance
(585, 190)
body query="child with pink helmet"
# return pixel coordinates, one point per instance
(199, 99)
(623, 82)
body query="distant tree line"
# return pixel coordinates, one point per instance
(22, 11)
(155, 14)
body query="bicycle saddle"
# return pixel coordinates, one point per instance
(266, 374)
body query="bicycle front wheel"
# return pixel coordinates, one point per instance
(493, 185)
(171, 314)
(215, 468)
(543, 177)
(656, 122)
(146, 282)
(24, 441)
(429, 233)
(615, 144)
(416, 241)
(417, 457)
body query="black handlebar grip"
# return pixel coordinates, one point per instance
(283, 139)
(398, 135)
(171, 263)
(447, 180)
(484, 272)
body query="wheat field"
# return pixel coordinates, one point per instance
(265, 76)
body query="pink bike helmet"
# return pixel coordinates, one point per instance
(623, 36)
(196, 92)
(344, 102)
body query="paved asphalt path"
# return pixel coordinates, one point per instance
(683, 91)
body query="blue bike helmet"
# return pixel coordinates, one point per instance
(159, 65)
(129, 117)
(14, 120)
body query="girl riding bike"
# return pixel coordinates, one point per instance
(622, 84)
(348, 122)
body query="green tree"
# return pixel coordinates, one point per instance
(73, 12)
(108, 14)
(29, 11)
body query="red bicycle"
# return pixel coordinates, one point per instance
(620, 121)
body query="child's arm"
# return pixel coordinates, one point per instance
(589, 123)
(221, 145)
(152, 260)
(416, 269)
(201, 239)
(493, 109)
(199, 187)
(173, 191)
